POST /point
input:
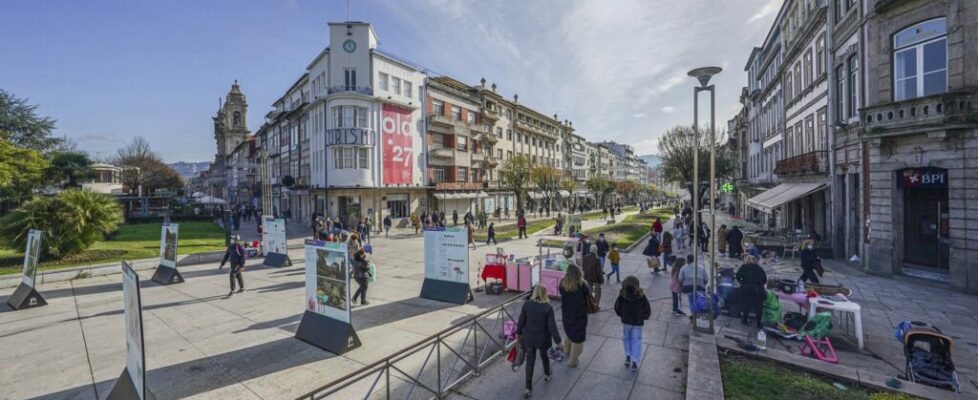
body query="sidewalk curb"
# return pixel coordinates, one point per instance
(703, 378)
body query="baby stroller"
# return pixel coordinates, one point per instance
(928, 353)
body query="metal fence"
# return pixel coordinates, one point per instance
(432, 367)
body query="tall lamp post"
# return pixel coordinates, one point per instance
(703, 75)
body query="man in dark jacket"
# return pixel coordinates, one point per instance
(236, 254)
(593, 273)
(752, 279)
(602, 249)
(735, 240)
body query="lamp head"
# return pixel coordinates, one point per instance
(703, 74)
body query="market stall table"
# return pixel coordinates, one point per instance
(841, 304)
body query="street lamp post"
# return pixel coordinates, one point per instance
(703, 75)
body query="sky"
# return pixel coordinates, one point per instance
(111, 70)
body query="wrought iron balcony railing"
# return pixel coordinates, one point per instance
(815, 162)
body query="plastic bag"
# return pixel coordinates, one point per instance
(372, 277)
(699, 303)
(818, 326)
(772, 309)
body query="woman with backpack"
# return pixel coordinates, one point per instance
(537, 331)
(633, 308)
(361, 273)
(573, 309)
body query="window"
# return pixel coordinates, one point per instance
(808, 67)
(839, 9)
(461, 174)
(470, 117)
(456, 113)
(787, 88)
(799, 137)
(822, 134)
(853, 86)
(809, 134)
(509, 114)
(920, 60)
(798, 78)
(350, 77)
(408, 91)
(349, 117)
(461, 143)
(439, 138)
(438, 174)
(509, 154)
(348, 160)
(438, 106)
(363, 158)
(475, 175)
(840, 89)
(499, 132)
(509, 135)
(382, 82)
(820, 56)
(396, 85)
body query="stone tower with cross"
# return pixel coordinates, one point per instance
(230, 124)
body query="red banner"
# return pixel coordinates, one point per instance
(396, 127)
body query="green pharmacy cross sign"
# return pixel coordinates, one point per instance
(727, 187)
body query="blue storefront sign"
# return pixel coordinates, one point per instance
(923, 178)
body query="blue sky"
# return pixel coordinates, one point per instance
(112, 70)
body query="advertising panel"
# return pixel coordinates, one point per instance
(446, 255)
(168, 245)
(135, 358)
(397, 136)
(328, 279)
(31, 255)
(273, 236)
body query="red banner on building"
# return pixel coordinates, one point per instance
(396, 127)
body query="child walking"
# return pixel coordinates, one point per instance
(633, 308)
(614, 257)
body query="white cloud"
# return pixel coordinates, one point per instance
(668, 109)
(638, 115)
(771, 7)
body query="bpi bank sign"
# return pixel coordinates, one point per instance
(397, 134)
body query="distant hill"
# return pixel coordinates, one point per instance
(651, 159)
(188, 169)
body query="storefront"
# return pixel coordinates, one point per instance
(926, 218)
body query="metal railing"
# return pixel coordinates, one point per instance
(460, 351)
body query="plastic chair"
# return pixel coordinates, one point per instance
(821, 349)
(791, 246)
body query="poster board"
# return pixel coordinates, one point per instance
(169, 238)
(273, 236)
(446, 265)
(574, 224)
(26, 295)
(326, 320)
(132, 383)
(328, 279)
(31, 255)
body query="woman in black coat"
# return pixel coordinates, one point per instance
(752, 279)
(808, 260)
(536, 328)
(573, 309)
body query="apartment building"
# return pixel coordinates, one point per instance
(920, 140)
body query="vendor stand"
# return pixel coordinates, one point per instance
(552, 266)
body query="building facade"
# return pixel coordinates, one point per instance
(920, 138)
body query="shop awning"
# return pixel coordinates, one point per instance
(773, 198)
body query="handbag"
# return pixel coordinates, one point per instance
(372, 272)
(517, 354)
(654, 263)
(591, 304)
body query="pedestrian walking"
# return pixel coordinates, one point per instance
(521, 226)
(603, 248)
(657, 228)
(704, 236)
(652, 252)
(470, 231)
(491, 234)
(752, 293)
(236, 254)
(686, 276)
(614, 257)
(368, 229)
(735, 240)
(361, 274)
(809, 262)
(722, 234)
(633, 308)
(675, 286)
(355, 244)
(537, 330)
(593, 273)
(666, 249)
(387, 225)
(573, 309)
(455, 217)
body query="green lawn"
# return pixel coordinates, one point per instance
(760, 380)
(628, 231)
(510, 232)
(131, 242)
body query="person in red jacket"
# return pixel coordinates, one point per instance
(521, 224)
(657, 229)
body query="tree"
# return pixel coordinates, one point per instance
(71, 221)
(627, 189)
(600, 188)
(21, 170)
(67, 168)
(547, 180)
(515, 176)
(20, 124)
(676, 149)
(144, 168)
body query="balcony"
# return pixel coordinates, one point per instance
(487, 138)
(458, 186)
(439, 151)
(346, 89)
(815, 162)
(946, 111)
(491, 162)
(490, 114)
(478, 157)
